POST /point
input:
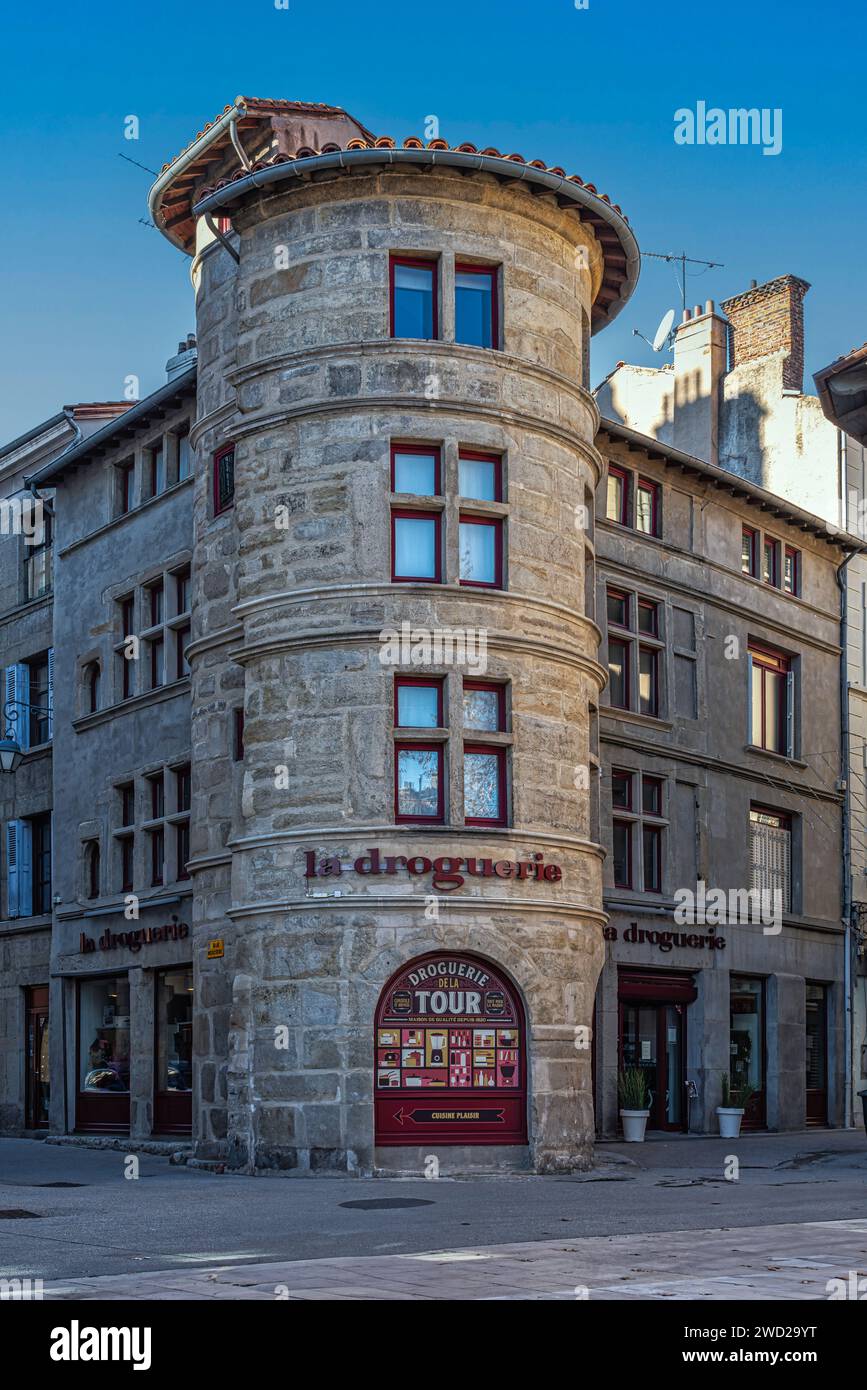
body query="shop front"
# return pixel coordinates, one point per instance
(36, 1058)
(653, 1009)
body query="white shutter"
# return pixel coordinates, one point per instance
(19, 869)
(771, 854)
(790, 714)
(50, 693)
(16, 687)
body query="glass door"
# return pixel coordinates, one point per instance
(38, 1075)
(747, 1048)
(173, 1082)
(817, 1054)
(652, 1039)
(103, 1054)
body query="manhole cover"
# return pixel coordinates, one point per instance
(17, 1214)
(60, 1184)
(388, 1203)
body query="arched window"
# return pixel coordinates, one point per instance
(450, 1054)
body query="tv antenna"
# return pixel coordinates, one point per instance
(683, 260)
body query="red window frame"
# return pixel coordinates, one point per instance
(654, 784)
(127, 803)
(629, 778)
(500, 692)
(751, 535)
(182, 847)
(221, 503)
(655, 832)
(127, 862)
(496, 460)
(411, 514)
(157, 849)
(428, 264)
(647, 485)
(794, 555)
(492, 272)
(650, 606)
(627, 673)
(415, 746)
(778, 664)
(495, 523)
(429, 683)
(623, 475)
(127, 615)
(626, 826)
(156, 603)
(426, 450)
(491, 750)
(775, 567)
(157, 785)
(623, 597)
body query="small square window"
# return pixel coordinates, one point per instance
(418, 704)
(480, 476)
(481, 551)
(415, 469)
(618, 608)
(418, 782)
(415, 546)
(484, 707)
(413, 298)
(648, 617)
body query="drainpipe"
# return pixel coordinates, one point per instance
(847, 842)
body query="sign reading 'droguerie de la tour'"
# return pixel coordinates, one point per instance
(450, 1055)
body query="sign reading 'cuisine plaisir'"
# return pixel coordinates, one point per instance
(448, 871)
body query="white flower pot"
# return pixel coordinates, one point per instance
(634, 1124)
(729, 1121)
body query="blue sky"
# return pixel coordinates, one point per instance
(91, 295)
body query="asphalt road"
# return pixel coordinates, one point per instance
(175, 1217)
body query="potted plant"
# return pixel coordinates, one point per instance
(734, 1103)
(634, 1104)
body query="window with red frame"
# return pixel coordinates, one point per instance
(476, 311)
(418, 703)
(648, 680)
(651, 796)
(480, 476)
(771, 701)
(484, 784)
(617, 496)
(419, 790)
(413, 293)
(651, 858)
(792, 571)
(481, 551)
(618, 672)
(127, 862)
(224, 478)
(771, 562)
(621, 789)
(415, 546)
(647, 507)
(622, 856)
(750, 552)
(484, 707)
(415, 469)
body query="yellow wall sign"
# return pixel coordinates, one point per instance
(215, 948)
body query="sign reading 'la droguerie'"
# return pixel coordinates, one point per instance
(446, 871)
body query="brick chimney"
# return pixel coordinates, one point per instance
(768, 319)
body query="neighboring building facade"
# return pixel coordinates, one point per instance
(26, 800)
(711, 780)
(734, 397)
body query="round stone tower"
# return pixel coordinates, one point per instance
(394, 658)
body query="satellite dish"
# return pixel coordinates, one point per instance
(662, 332)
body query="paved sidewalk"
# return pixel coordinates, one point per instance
(762, 1263)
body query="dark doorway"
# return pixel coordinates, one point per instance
(817, 1054)
(36, 1049)
(173, 1079)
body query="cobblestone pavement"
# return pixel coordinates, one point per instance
(762, 1263)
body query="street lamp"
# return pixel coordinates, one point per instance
(10, 748)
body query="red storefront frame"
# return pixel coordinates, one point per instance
(410, 1104)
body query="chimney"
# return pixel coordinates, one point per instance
(183, 359)
(699, 364)
(769, 319)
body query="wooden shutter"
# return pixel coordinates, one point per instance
(50, 693)
(16, 686)
(19, 869)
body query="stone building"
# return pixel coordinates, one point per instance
(720, 775)
(734, 397)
